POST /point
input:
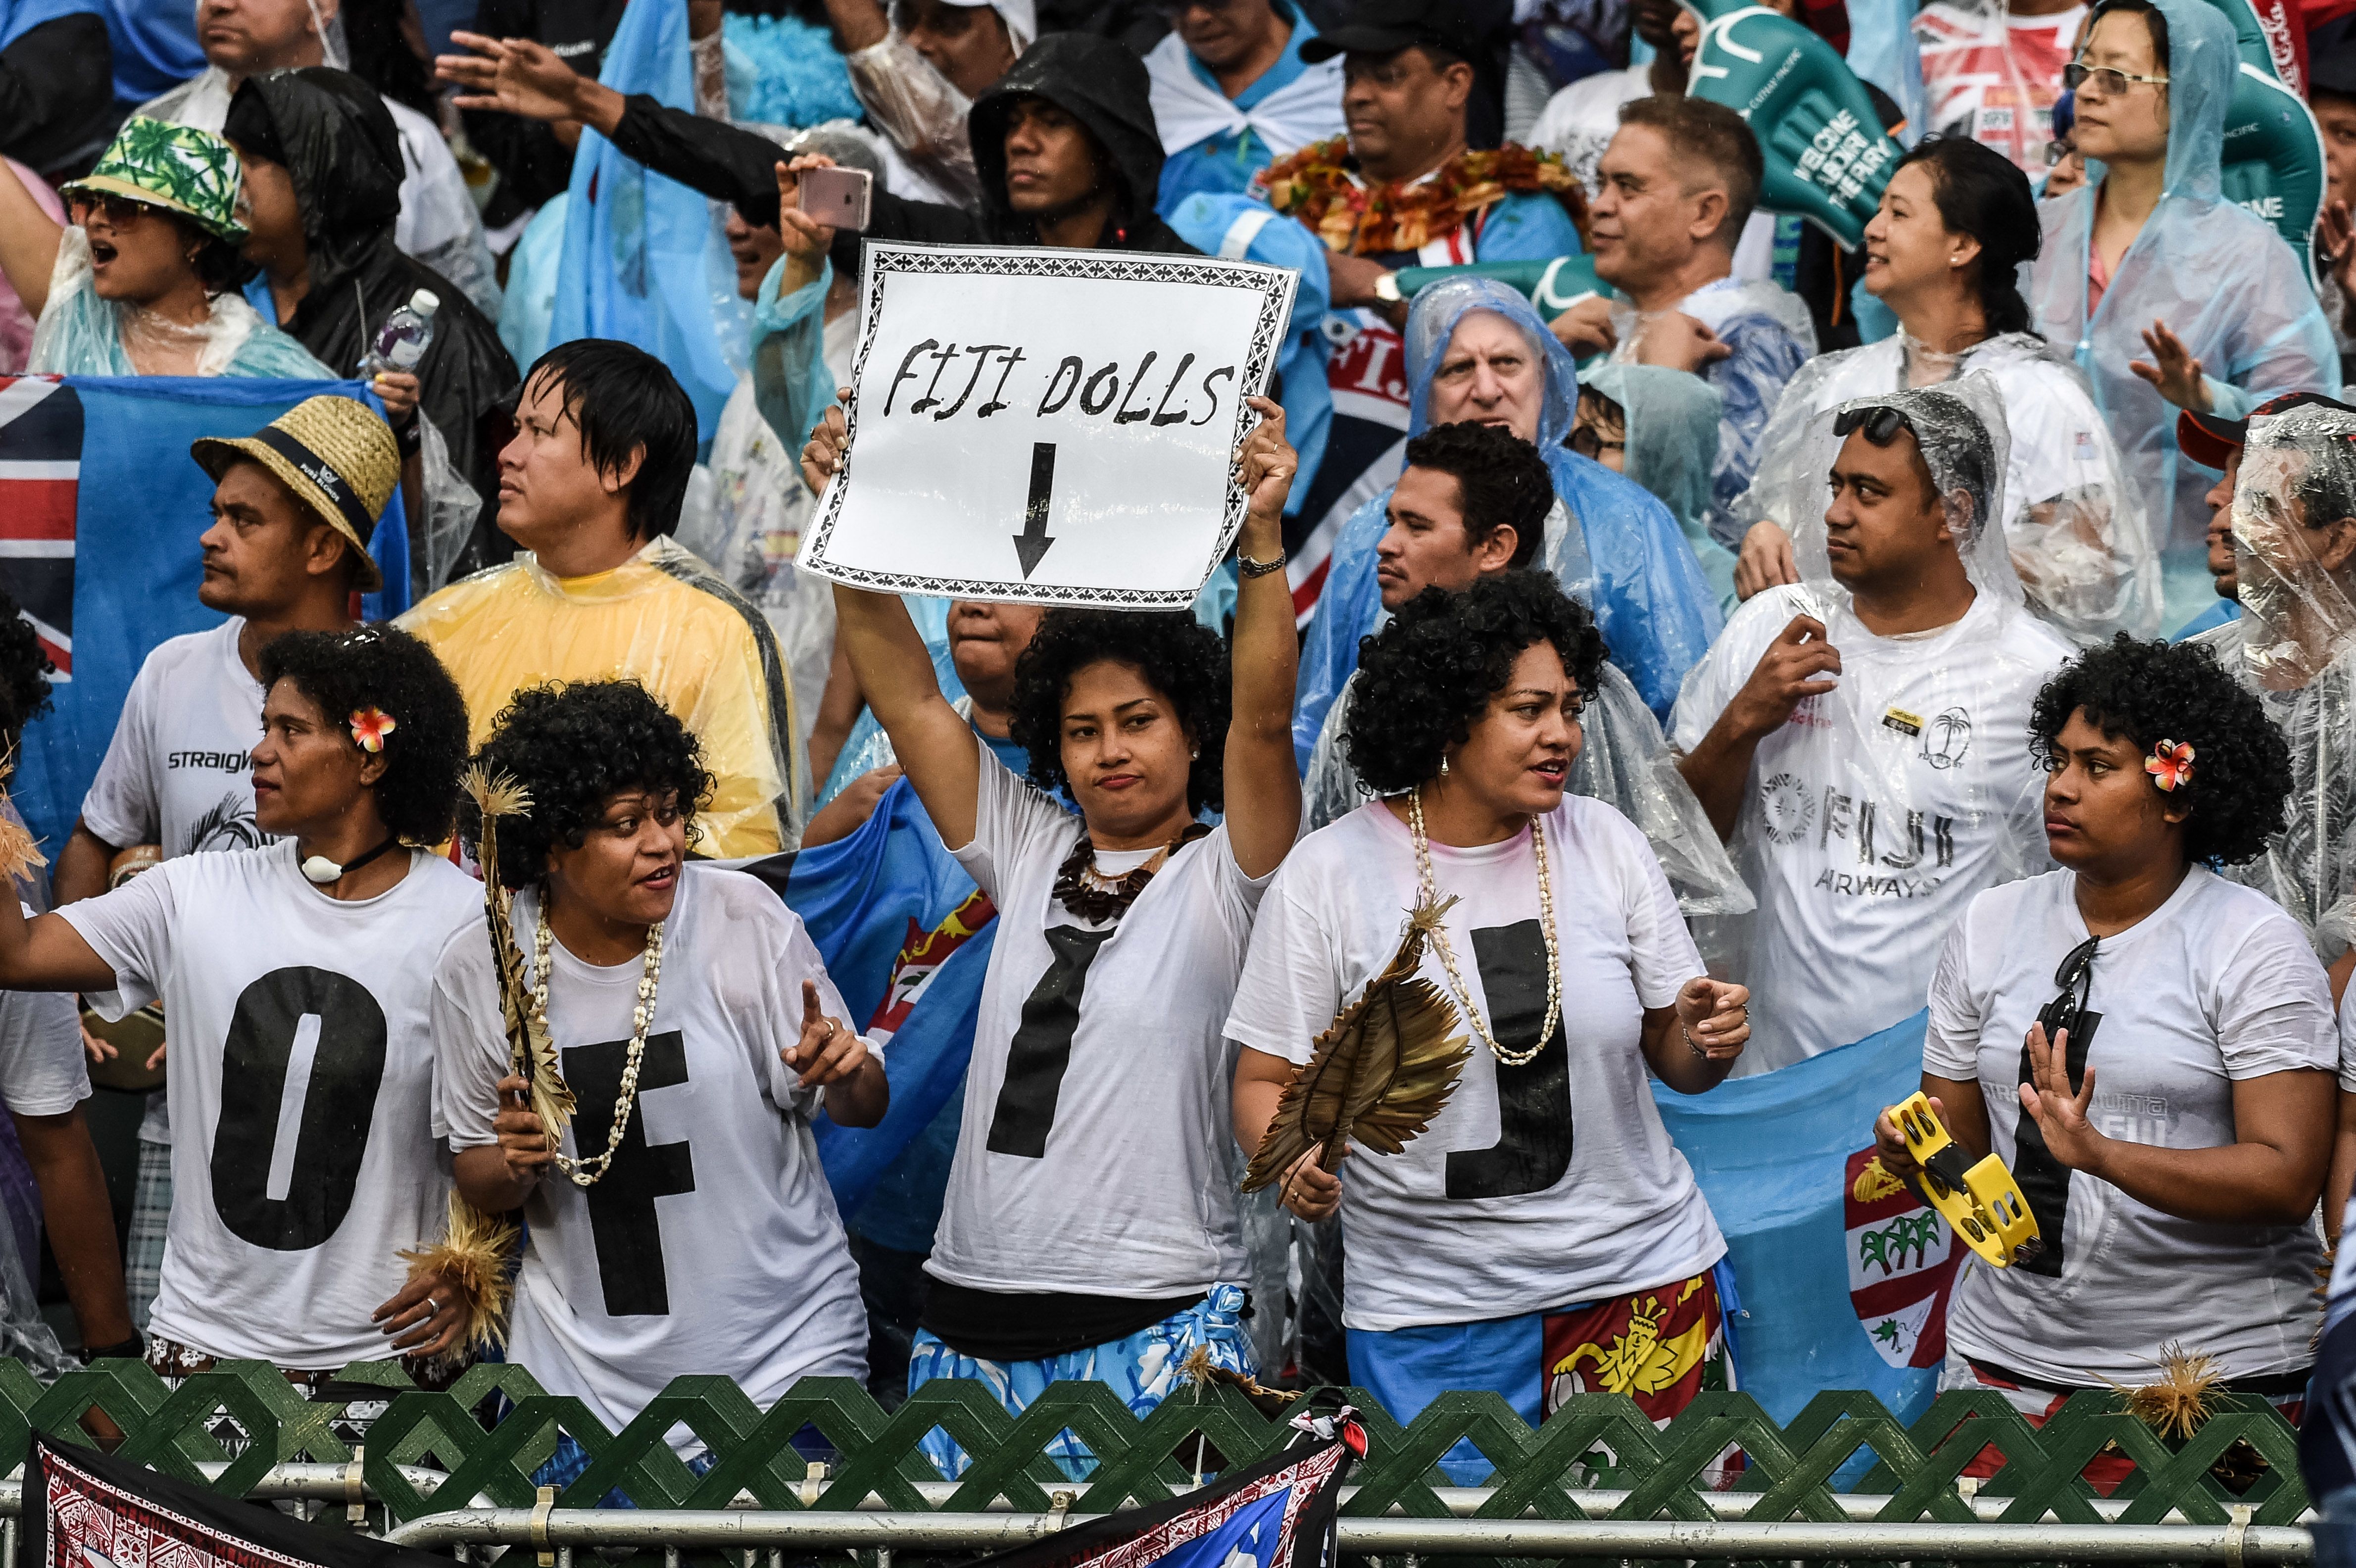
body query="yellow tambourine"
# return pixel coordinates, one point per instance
(1981, 1201)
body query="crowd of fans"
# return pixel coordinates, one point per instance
(1732, 664)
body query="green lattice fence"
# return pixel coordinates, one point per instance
(491, 1446)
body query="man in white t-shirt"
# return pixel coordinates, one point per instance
(177, 774)
(1867, 734)
(687, 1226)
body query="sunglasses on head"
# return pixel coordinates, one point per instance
(1880, 426)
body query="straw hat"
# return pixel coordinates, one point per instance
(334, 454)
(176, 167)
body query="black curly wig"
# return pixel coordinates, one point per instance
(1177, 655)
(24, 671)
(2145, 692)
(574, 747)
(382, 667)
(1427, 677)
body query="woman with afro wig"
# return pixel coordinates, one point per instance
(2149, 1047)
(698, 1036)
(304, 964)
(1090, 1228)
(1484, 1255)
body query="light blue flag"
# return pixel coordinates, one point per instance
(644, 260)
(906, 936)
(1844, 1274)
(101, 508)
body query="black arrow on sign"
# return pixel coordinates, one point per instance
(1032, 541)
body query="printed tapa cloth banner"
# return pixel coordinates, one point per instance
(1844, 1274)
(100, 508)
(85, 1510)
(1048, 425)
(1278, 1513)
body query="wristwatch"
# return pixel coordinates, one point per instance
(1387, 289)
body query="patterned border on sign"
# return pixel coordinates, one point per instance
(90, 1518)
(1273, 284)
(1301, 1480)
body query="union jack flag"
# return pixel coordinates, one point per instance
(40, 475)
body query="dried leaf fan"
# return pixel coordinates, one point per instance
(1381, 1070)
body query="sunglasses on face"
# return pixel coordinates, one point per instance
(1880, 426)
(1172, 9)
(119, 211)
(1588, 443)
(2112, 80)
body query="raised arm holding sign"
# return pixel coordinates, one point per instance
(1046, 424)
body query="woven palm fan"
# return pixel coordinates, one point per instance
(1380, 1072)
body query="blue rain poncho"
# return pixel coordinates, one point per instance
(1240, 229)
(1610, 543)
(80, 334)
(2221, 278)
(1672, 423)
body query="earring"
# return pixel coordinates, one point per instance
(1443, 764)
(1195, 755)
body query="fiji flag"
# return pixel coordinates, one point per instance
(101, 508)
(906, 937)
(1278, 1513)
(1844, 1274)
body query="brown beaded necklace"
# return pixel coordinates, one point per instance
(1097, 899)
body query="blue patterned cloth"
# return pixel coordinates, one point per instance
(783, 71)
(1749, 380)
(1143, 1369)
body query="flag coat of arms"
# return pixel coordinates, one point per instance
(97, 468)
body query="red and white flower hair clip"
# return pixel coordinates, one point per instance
(2170, 763)
(370, 726)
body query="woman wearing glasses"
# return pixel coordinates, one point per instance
(1958, 221)
(2166, 293)
(144, 281)
(1544, 1217)
(1660, 427)
(2165, 1098)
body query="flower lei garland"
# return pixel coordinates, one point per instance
(1318, 186)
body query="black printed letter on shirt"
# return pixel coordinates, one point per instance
(1042, 1047)
(300, 1067)
(1533, 1147)
(2043, 1180)
(622, 1219)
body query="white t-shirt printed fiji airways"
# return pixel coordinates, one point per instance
(178, 772)
(302, 1073)
(711, 1244)
(1097, 1052)
(1538, 1186)
(2215, 987)
(1877, 810)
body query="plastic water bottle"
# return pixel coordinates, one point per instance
(404, 339)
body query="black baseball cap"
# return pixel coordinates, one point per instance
(1386, 26)
(2211, 442)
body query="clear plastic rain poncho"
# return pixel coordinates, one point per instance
(2221, 278)
(1874, 814)
(1670, 423)
(1611, 545)
(2081, 540)
(2295, 645)
(78, 334)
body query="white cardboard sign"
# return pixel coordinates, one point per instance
(1055, 426)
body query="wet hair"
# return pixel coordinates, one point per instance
(1180, 658)
(1500, 481)
(1982, 193)
(382, 667)
(24, 671)
(2155, 21)
(1427, 678)
(2325, 486)
(2145, 692)
(572, 748)
(220, 267)
(1711, 135)
(623, 399)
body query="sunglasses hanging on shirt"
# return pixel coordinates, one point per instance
(2069, 1027)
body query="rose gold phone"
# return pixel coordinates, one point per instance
(838, 198)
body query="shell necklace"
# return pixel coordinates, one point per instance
(584, 1172)
(1448, 951)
